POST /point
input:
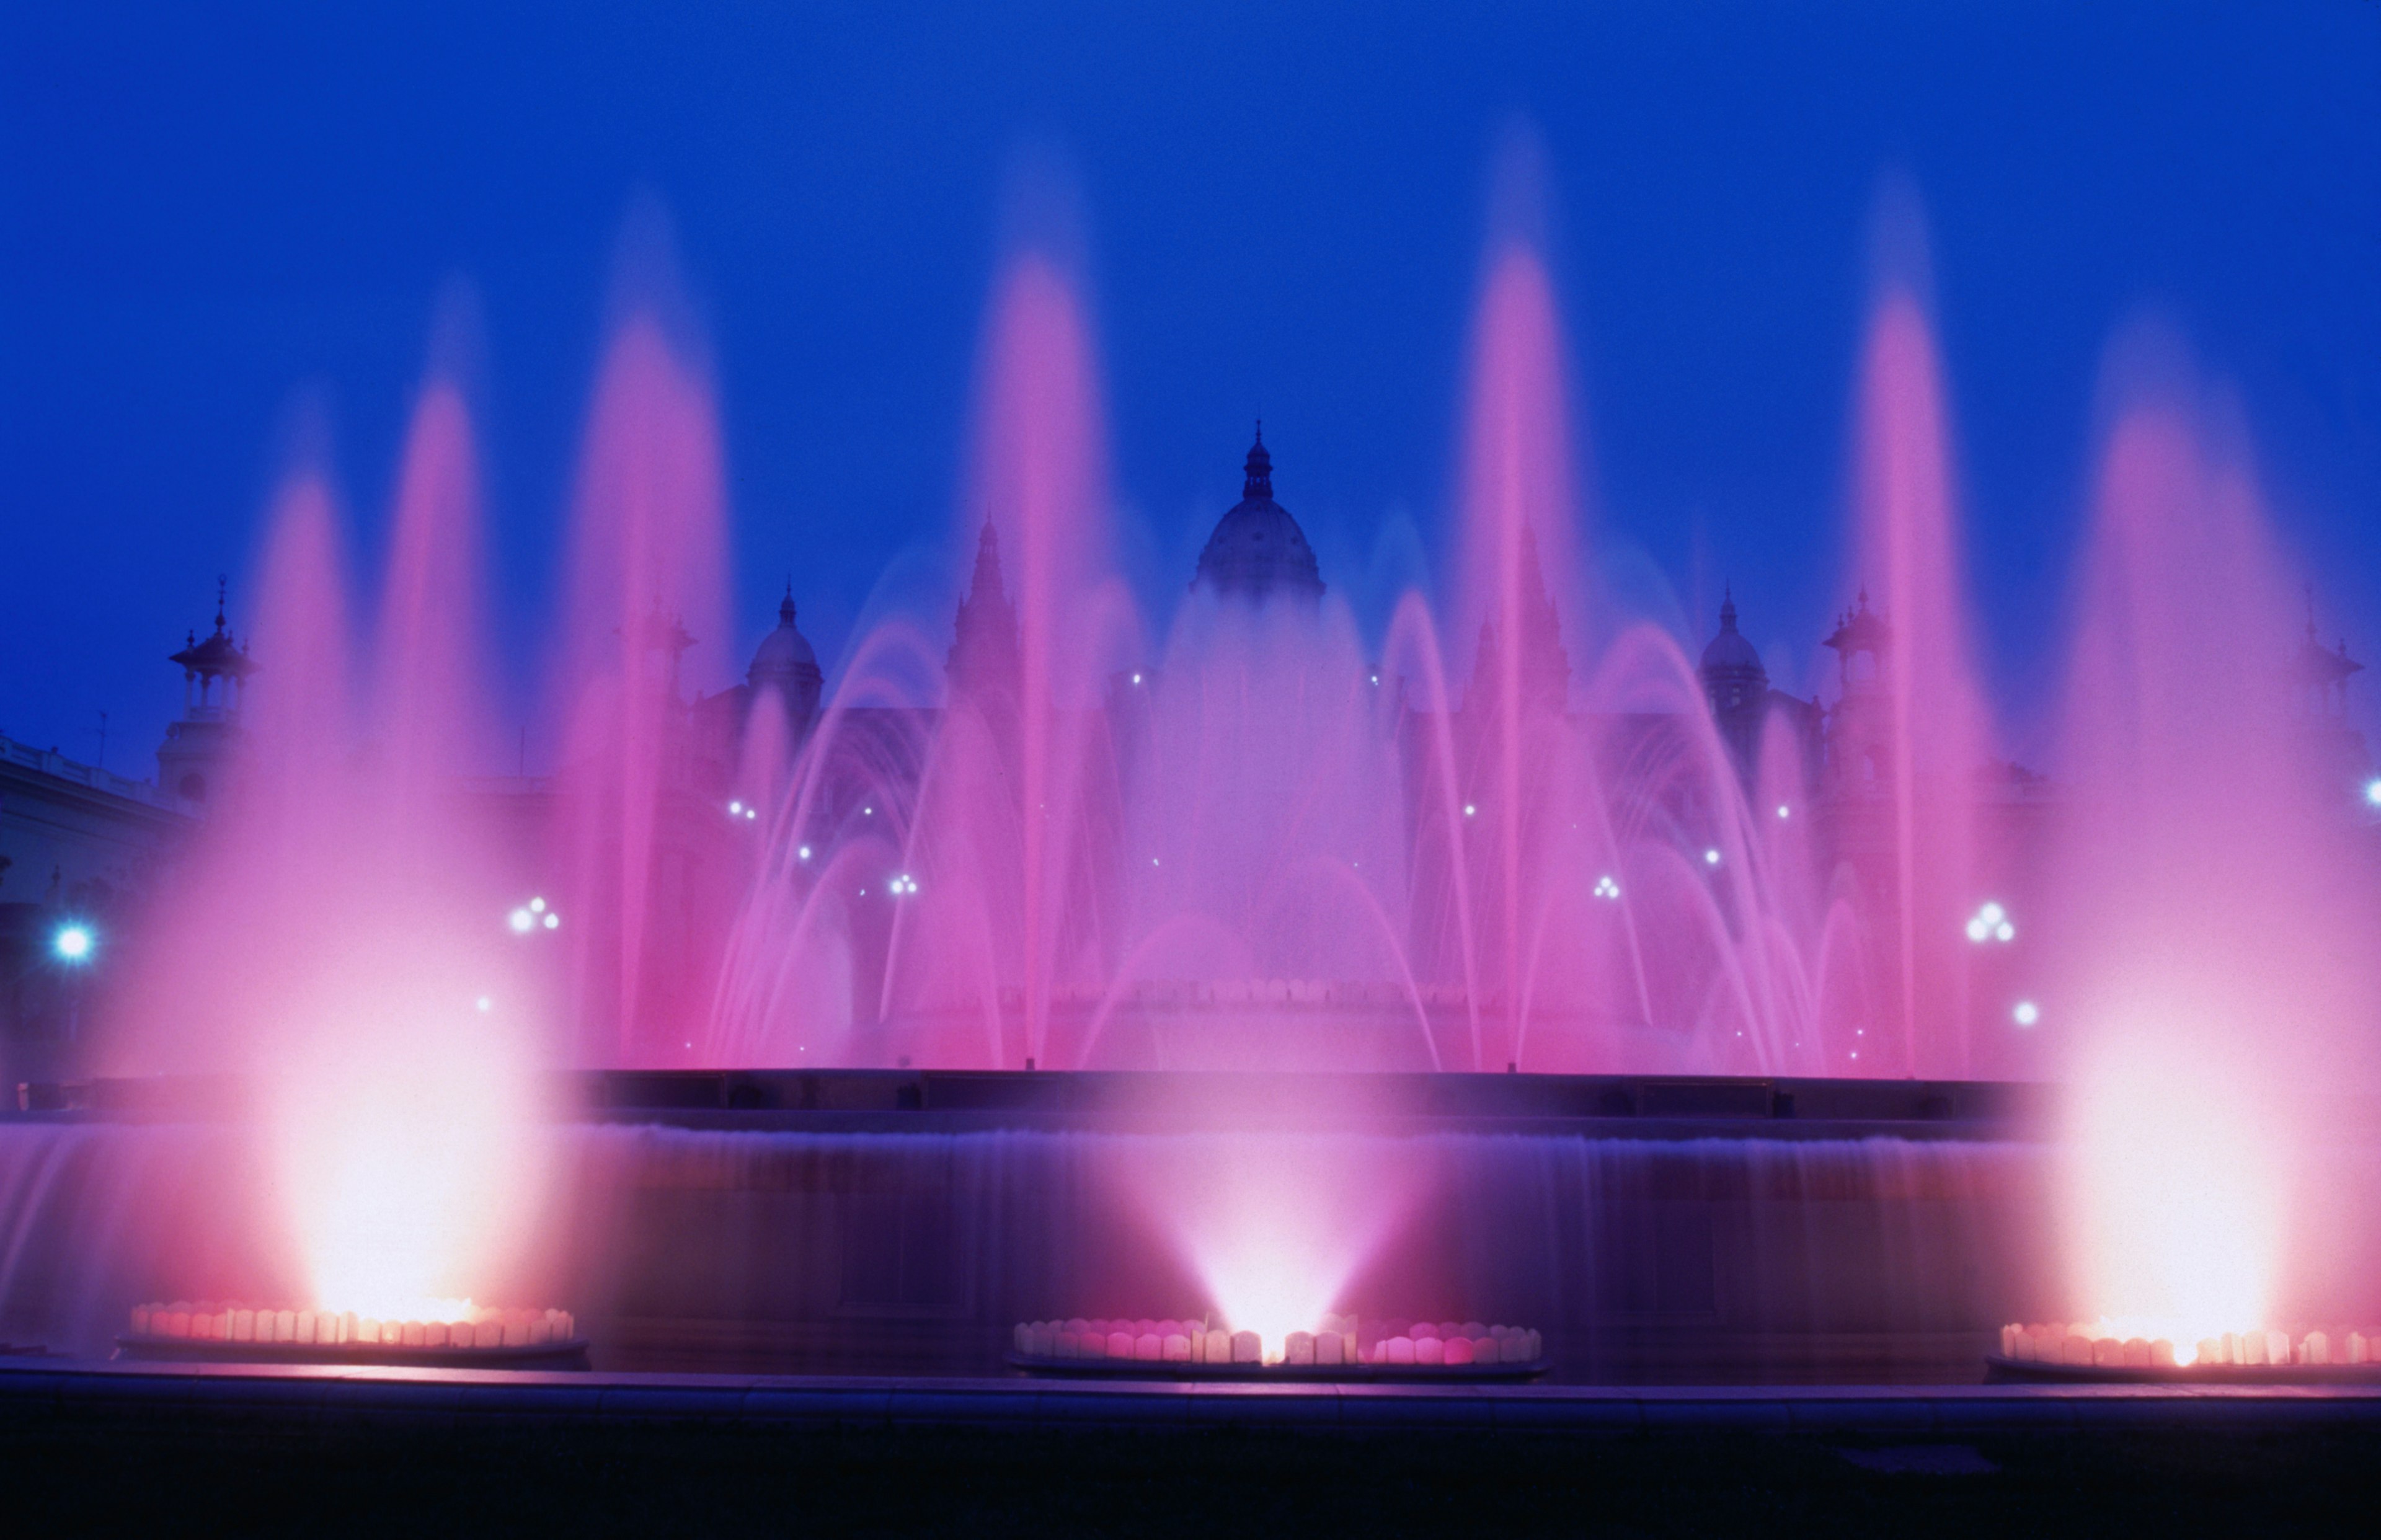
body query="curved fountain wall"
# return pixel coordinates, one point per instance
(687, 1249)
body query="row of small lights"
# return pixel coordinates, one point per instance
(533, 915)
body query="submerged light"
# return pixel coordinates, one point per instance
(522, 921)
(73, 942)
(2373, 792)
(2026, 1014)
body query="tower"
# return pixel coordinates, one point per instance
(214, 676)
(1736, 685)
(786, 664)
(1542, 664)
(1258, 551)
(984, 662)
(2318, 679)
(1859, 728)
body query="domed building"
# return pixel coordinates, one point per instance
(787, 663)
(1736, 687)
(785, 667)
(1258, 550)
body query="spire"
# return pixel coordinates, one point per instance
(1727, 607)
(223, 586)
(984, 658)
(786, 605)
(1260, 468)
(987, 562)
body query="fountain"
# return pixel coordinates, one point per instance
(1347, 994)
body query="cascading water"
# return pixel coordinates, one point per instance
(337, 938)
(1513, 832)
(648, 571)
(2207, 991)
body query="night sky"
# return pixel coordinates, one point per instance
(209, 212)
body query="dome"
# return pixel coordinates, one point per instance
(1258, 548)
(1730, 649)
(784, 653)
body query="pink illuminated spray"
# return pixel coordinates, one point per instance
(1911, 730)
(1517, 820)
(337, 938)
(1275, 1225)
(648, 571)
(2206, 981)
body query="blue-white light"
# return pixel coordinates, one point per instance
(73, 942)
(2373, 792)
(2026, 1014)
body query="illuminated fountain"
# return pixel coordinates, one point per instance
(1338, 1348)
(457, 1334)
(1513, 962)
(337, 940)
(2208, 916)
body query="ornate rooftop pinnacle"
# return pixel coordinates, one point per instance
(1259, 467)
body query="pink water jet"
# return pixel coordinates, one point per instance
(1913, 736)
(336, 936)
(648, 572)
(2207, 983)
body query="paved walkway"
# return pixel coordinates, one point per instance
(421, 1397)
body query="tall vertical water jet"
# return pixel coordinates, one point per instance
(647, 580)
(1023, 740)
(1518, 831)
(2207, 983)
(1909, 734)
(336, 941)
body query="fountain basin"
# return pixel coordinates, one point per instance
(209, 1332)
(2057, 1354)
(1337, 1349)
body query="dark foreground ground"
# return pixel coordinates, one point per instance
(166, 1470)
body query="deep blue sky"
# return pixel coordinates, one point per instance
(205, 210)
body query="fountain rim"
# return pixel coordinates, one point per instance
(1645, 1106)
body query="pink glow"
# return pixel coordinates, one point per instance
(1933, 734)
(1275, 1226)
(331, 938)
(648, 569)
(2207, 966)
